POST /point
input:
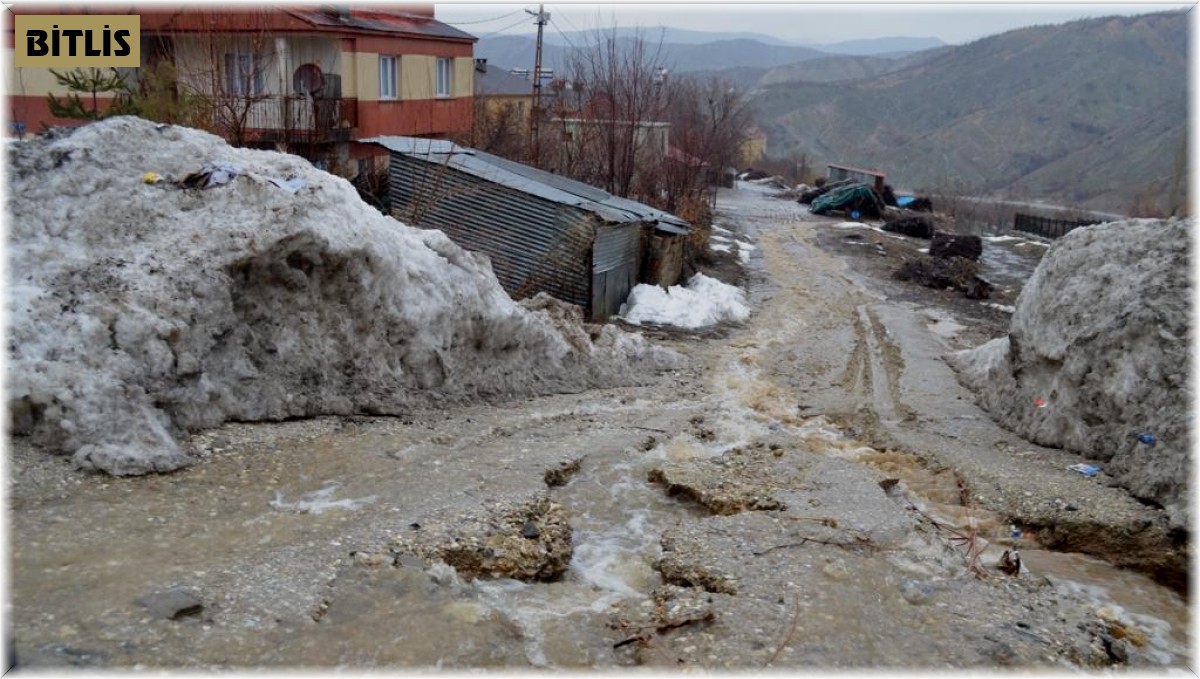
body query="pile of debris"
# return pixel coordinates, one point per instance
(141, 309)
(952, 262)
(859, 199)
(1096, 357)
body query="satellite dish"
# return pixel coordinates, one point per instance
(308, 79)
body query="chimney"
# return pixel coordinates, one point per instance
(340, 12)
(481, 65)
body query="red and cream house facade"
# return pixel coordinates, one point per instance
(311, 79)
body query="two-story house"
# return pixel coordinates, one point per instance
(311, 80)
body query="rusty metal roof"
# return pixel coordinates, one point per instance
(533, 181)
(860, 170)
(380, 21)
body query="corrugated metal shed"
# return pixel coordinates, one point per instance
(533, 181)
(541, 231)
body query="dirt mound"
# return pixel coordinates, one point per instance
(938, 272)
(525, 541)
(1096, 358)
(954, 245)
(917, 227)
(139, 311)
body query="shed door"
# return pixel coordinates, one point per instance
(614, 268)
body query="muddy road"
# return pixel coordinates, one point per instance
(812, 489)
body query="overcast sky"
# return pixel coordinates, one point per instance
(797, 22)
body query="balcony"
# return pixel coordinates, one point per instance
(293, 118)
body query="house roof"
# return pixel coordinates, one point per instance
(680, 156)
(398, 21)
(851, 168)
(377, 20)
(533, 181)
(492, 81)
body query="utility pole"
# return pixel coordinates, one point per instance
(540, 18)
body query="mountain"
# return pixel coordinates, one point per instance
(510, 51)
(878, 46)
(675, 36)
(838, 68)
(691, 51)
(1091, 113)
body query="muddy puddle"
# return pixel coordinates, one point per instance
(1009, 261)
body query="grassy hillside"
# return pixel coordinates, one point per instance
(839, 68)
(1089, 112)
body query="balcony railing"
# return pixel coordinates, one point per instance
(279, 118)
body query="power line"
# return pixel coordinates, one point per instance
(564, 35)
(481, 21)
(569, 22)
(516, 23)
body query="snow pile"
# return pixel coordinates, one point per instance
(721, 240)
(141, 311)
(705, 301)
(1097, 356)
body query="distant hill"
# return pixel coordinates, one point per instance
(675, 36)
(1091, 112)
(509, 51)
(690, 51)
(840, 68)
(878, 46)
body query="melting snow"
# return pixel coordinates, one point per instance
(138, 312)
(704, 301)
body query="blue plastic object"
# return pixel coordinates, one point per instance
(855, 215)
(1085, 469)
(1147, 439)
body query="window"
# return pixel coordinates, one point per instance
(445, 76)
(244, 74)
(387, 77)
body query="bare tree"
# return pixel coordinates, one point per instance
(499, 128)
(709, 120)
(606, 116)
(233, 67)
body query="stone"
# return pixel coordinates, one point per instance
(916, 592)
(172, 604)
(528, 540)
(979, 288)
(560, 475)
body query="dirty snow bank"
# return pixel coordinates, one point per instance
(1099, 339)
(704, 301)
(138, 312)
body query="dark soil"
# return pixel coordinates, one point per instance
(876, 259)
